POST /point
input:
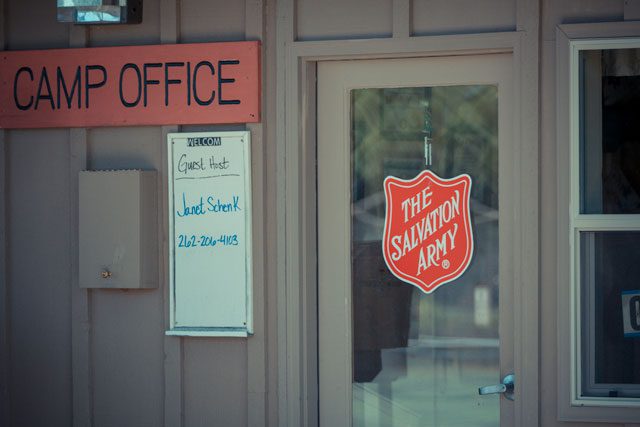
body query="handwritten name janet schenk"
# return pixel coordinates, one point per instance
(186, 165)
(208, 205)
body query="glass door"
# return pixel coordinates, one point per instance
(392, 351)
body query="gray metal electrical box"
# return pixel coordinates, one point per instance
(118, 229)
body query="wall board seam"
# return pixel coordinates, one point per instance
(528, 291)
(173, 345)
(173, 393)
(256, 356)
(80, 298)
(288, 405)
(401, 18)
(269, 136)
(5, 396)
(81, 334)
(5, 307)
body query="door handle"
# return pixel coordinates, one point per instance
(507, 387)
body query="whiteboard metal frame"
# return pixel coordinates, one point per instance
(212, 331)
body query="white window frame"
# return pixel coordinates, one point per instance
(572, 404)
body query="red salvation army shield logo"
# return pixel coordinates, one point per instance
(427, 234)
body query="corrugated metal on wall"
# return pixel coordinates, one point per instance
(129, 373)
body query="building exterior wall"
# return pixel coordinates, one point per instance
(100, 357)
(554, 14)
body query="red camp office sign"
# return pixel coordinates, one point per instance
(427, 236)
(203, 83)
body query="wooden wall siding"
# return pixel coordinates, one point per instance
(32, 25)
(127, 349)
(553, 14)
(37, 310)
(72, 357)
(124, 148)
(38, 276)
(267, 312)
(431, 17)
(337, 19)
(575, 11)
(218, 19)
(127, 326)
(173, 347)
(216, 383)
(256, 24)
(100, 358)
(148, 32)
(4, 288)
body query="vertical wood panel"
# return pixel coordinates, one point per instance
(40, 306)
(4, 286)
(147, 32)
(169, 21)
(82, 399)
(215, 379)
(211, 20)
(80, 298)
(173, 346)
(32, 25)
(36, 314)
(401, 18)
(253, 15)
(549, 325)
(436, 17)
(527, 292)
(288, 343)
(256, 357)
(269, 68)
(339, 19)
(127, 326)
(128, 348)
(4, 290)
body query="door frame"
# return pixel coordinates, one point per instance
(335, 116)
(296, 204)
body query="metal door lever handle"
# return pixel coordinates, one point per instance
(507, 387)
(492, 389)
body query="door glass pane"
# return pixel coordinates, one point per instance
(418, 359)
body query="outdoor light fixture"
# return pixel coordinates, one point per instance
(100, 11)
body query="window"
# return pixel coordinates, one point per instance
(605, 220)
(602, 246)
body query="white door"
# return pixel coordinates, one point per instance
(388, 353)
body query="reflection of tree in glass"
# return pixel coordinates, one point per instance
(389, 124)
(466, 135)
(388, 130)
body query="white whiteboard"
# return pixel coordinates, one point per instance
(210, 233)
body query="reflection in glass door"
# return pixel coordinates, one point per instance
(418, 359)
